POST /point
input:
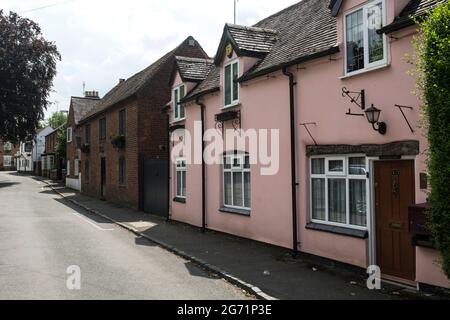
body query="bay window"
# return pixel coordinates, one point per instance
(339, 187)
(178, 94)
(181, 178)
(236, 178)
(231, 94)
(364, 47)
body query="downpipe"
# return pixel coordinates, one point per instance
(202, 117)
(294, 183)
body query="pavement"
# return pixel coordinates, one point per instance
(264, 270)
(43, 237)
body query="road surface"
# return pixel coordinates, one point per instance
(45, 241)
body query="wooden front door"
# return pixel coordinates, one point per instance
(394, 192)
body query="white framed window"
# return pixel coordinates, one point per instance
(7, 161)
(7, 146)
(68, 168)
(69, 134)
(364, 47)
(76, 167)
(236, 181)
(181, 178)
(340, 194)
(178, 108)
(231, 86)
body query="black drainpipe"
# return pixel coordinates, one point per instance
(293, 164)
(202, 115)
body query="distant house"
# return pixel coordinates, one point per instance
(23, 156)
(52, 164)
(124, 138)
(39, 148)
(7, 152)
(79, 107)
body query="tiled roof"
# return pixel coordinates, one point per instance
(132, 85)
(246, 40)
(193, 69)
(305, 30)
(82, 106)
(414, 9)
(210, 84)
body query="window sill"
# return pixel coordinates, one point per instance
(236, 104)
(177, 121)
(363, 71)
(241, 212)
(355, 233)
(122, 186)
(179, 200)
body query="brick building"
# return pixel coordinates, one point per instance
(7, 152)
(125, 158)
(51, 164)
(79, 107)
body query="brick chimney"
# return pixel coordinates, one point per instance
(91, 94)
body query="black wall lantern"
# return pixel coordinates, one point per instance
(373, 115)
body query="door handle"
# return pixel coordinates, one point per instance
(396, 225)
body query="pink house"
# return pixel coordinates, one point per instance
(304, 83)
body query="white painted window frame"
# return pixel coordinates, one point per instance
(347, 177)
(69, 134)
(236, 101)
(180, 166)
(68, 168)
(367, 66)
(177, 106)
(241, 168)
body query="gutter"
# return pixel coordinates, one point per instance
(294, 183)
(202, 112)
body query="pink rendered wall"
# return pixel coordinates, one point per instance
(265, 104)
(189, 212)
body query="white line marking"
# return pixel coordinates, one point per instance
(90, 222)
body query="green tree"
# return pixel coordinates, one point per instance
(433, 48)
(27, 68)
(57, 119)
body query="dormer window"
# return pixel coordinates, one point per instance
(364, 47)
(231, 72)
(178, 94)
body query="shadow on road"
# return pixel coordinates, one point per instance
(8, 184)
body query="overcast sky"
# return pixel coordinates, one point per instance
(103, 40)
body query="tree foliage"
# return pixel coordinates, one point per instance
(57, 119)
(27, 68)
(433, 48)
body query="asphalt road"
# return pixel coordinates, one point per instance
(41, 236)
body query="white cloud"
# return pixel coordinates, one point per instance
(103, 40)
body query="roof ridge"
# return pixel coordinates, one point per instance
(195, 59)
(87, 98)
(251, 28)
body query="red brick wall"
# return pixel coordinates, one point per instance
(14, 149)
(127, 194)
